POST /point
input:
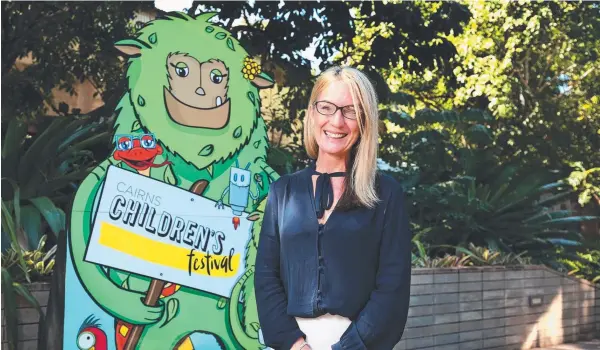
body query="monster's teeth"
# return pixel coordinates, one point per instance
(210, 170)
(219, 101)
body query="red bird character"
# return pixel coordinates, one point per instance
(90, 336)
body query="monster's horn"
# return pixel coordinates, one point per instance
(263, 81)
(131, 47)
(204, 17)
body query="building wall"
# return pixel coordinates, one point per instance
(488, 308)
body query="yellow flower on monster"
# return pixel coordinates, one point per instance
(250, 69)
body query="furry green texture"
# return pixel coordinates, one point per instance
(192, 36)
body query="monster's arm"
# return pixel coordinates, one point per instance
(248, 334)
(120, 303)
(266, 168)
(261, 187)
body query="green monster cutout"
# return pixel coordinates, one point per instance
(190, 118)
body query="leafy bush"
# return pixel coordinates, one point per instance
(37, 264)
(44, 170)
(586, 181)
(473, 256)
(482, 256)
(585, 265)
(503, 213)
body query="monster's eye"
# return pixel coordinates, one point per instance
(148, 142)
(181, 69)
(86, 340)
(216, 76)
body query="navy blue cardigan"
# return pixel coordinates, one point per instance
(357, 265)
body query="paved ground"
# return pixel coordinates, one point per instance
(585, 345)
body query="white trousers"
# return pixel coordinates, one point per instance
(323, 331)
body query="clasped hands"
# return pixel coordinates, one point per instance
(301, 344)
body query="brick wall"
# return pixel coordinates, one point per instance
(28, 317)
(489, 308)
(459, 309)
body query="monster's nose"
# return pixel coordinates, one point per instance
(200, 91)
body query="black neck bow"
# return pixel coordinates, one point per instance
(324, 191)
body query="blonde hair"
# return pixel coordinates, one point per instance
(360, 185)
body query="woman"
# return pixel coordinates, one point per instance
(333, 261)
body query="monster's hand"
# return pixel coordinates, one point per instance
(134, 311)
(248, 338)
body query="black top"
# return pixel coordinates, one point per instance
(357, 265)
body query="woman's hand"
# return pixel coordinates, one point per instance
(301, 344)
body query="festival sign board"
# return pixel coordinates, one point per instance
(151, 228)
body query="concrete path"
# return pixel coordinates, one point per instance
(584, 345)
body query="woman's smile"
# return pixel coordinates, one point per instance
(334, 135)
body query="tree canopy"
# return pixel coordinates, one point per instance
(534, 67)
(66, 43)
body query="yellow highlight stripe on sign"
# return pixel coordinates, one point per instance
(165, 254)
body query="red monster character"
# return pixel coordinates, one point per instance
(139, 152)
(90, 336)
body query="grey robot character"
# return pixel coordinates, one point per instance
(238, 189)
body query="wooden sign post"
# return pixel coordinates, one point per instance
(156, 287)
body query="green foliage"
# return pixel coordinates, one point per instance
(586, 182)
(66, 44)
(462, 257)
(503, 212)
(38, 263)
(44, 169)
(465, 192)
(584, 265)
(10, 225)
(534, 66)
(441, 144)
(423, 259)
(483, 256)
